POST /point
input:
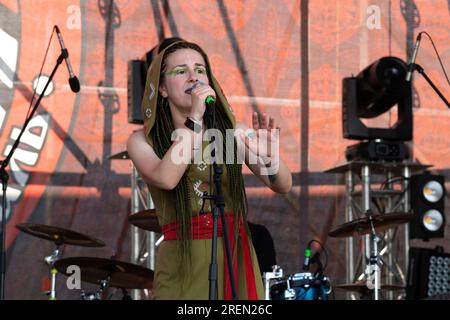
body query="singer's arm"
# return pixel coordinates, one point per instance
(266, 164)
(279, 181)
(163, 173)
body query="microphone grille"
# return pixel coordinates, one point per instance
(74, 84)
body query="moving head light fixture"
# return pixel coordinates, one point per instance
(374, 91)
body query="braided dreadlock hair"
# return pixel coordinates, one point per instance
(161, 137)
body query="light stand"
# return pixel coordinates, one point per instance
(4, 175)
(219, 204)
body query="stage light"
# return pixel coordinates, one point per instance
(380, 86)
(374, 91)
(428, 204)
(432, 220)
(433, 191)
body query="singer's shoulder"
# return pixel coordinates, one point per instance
(139, 148)
(137, 134)
(137, 137)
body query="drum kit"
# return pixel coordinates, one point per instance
(299, 286)
(123, 275)
(111, 273)
(106, 273)
(316, 286)
(371, 225)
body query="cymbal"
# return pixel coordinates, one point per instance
(362, 226)
(146, 220)
(123, 155)
(59, 235)
(362, 286)
(122, 274)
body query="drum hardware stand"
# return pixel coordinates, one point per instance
(372, 241)
(104, 284)
(50, 260)
(276, 273)
(126, 295)
(386, 254)
(373, 268)
(290, 293)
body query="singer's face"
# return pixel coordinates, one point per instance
(182, 69)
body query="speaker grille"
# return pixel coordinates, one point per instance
(428, 274)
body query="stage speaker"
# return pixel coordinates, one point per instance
(428, 274)
(137, 73)
(428, 205)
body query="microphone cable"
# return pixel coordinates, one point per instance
(40, 74)
(437, 54)
(322, 247)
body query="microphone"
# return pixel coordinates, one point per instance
(413, 59)
(210, 101)
(307, 259)
(73, 80)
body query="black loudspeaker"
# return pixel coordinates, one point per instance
(137, 73)
(137, 76)
(428, 274)
(428, 205)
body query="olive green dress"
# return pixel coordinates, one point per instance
(174, 281)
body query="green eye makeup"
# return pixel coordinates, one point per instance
(200, 70)
(178, 71)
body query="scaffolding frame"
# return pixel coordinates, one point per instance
(143, 243)
(377, 188)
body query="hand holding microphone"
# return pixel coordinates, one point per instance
(73, 80)
(202, 95)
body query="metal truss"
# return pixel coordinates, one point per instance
(143, 243)
(377, 257)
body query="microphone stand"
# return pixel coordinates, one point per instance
(219, 204)
(4, 175)
(419, 69)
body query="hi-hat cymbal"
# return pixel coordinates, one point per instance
(362, 226)
(123, 155)
(121, 274)
(362, 286)
(59, 235)
(146, 220)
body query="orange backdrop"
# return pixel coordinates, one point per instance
(283, 57)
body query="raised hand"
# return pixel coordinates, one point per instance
(263, 139)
